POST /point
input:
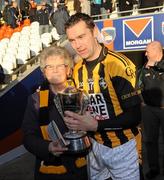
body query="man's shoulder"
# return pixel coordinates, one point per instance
(118, 59)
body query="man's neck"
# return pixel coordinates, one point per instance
(97, 51)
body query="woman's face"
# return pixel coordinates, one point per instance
(55, 70)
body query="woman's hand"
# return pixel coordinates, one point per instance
(56, 149)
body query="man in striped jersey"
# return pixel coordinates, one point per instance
(114, 112)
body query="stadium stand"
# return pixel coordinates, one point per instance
(21, 44)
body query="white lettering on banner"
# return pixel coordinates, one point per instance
(98, 107)
(138, 42)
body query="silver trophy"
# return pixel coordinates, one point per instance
(76, 101)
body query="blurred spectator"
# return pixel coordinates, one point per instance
(42, 16)
(95, 7)
(106, 7)
(76, 6)
(32, 10)
(151, 3)
(126, 5)
(14, 19)
(61, 2)
(24, 8)
(6, 11)
(64, 2)
(47, 5)
(54, 5)
(85, 6)
(59, 17)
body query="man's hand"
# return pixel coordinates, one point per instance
(76, 122)
(56, 149)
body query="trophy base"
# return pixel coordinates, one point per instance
(78, 142)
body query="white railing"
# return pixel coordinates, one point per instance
(120, 14)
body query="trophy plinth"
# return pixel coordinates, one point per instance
(74, 101)
(78, 141)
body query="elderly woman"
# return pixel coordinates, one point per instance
(52, 159)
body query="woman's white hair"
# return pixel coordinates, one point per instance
(55, 51)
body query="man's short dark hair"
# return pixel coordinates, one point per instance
(74, 19)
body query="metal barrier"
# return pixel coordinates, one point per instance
(120, 14)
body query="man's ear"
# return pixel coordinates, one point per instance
(95, 31)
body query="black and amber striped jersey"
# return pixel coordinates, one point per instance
(110, 82)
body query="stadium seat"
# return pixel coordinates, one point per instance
(7, 67)
(10, 57)
(8, 32)
(26, 22)
(3, 50)
(15, 37)
(9, 63)
(34, 49)
(54, 34)
(23, 55)
(46, 39)
(25, 30)
(4, 42)
(18, 29)
(34, 25)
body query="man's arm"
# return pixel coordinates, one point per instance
(159, 65)
(130, 118)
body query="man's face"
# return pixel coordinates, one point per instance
(82, 40)
(6, 3)
(151, 53)
(15, 4)
(55, 70)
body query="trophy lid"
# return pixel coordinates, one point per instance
(70, 89)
